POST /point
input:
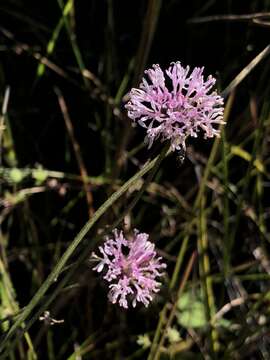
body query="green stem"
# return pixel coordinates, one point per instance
(174, 307)
(187, 229)
(225, 174)
(77, 240)
(205, 275)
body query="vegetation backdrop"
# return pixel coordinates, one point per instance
(67, 145)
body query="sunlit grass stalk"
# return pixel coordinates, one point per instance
(225, 204)
(206, 278)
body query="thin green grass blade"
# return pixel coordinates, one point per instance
(78, 239)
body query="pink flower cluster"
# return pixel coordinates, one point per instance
(173, 113)
(131, 266)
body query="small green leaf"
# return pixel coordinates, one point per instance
(40, 175)
(224, 323)
(16, 175)
(173, 335)
(191, 313)
(144, 341)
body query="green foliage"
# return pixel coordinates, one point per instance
(40, 175)
(191, 313)
(66, 68)
(173, 335)
(16, 175)
(144, 341)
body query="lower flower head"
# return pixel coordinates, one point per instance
(182, 109)
(131, 266)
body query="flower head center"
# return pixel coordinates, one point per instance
(126, 267)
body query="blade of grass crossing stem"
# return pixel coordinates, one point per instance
(74, 244)
(52, 42)
(206, 279)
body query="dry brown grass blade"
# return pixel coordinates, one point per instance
(77, 150)
(241, 76)
(244, 17)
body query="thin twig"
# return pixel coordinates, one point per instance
(245, 17)
(227, 307)
(77, 150)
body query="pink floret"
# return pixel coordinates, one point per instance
(131, 267)
(180, 110)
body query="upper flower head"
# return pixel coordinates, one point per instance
(181, 110)
(132, 273)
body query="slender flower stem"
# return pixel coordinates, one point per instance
(77, 240)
